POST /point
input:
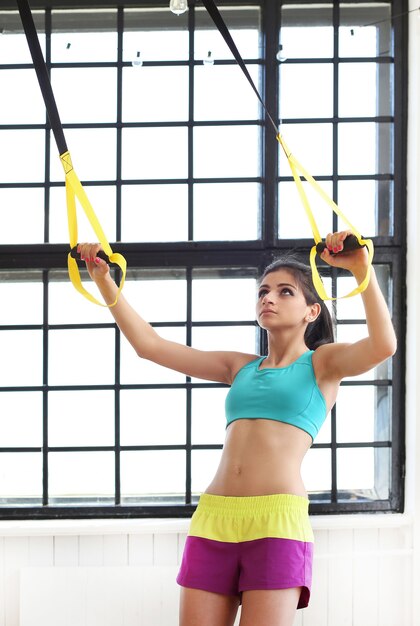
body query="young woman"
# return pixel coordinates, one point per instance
(250, 540)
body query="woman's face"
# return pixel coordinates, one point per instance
(281, 302)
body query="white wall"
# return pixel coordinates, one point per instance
(367, 568)
(92, 573)
(413, 301)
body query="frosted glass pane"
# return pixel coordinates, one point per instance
(81, 418)
(358, 201)
(74, 47)
(208, 416)
(304, 141)
(16, 371)
(153, 417)
(358, 41)
(66, 306)
(81, 357)
(93, 152)
(363, 414)
(204, 465)
(86, 474)
(376, 154)
(293, 221)
(21, 419)
(356, 469)
(297, 82)
(14, 146)
(237, 338)
(226, 211)
(22, 101)
(14, 47)
(221, 92)
(155, 94)
(168, 44)
(21, 215)
(365, 473)
(145, 296)
(226, 151)
(154, 153)
(316, 470)
(20, 475)
(15, 293)
(324, 435)
(349, 308)
(154, 213)
(103, 202)
(245, 36)
(154, 472)
(306, 41)
(219, 299)
(86, 94)
(354, 79)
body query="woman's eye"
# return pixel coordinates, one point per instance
(287, 291)
(262, 293)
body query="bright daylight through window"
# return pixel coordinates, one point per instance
(191, 186)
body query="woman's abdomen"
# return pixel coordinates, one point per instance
(261, 457)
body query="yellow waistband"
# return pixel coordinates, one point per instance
(249, 505)
(237, 519)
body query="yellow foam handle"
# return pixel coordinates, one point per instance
(75, 190)
(298, 170)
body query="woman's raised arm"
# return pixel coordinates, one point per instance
(342, 360)
(219, 366)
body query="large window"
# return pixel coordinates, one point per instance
(189, 184)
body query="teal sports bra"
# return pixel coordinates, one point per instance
(285, 394)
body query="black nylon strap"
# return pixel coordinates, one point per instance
(214, 13)
(42, 74)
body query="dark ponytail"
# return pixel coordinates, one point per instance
(321, 330)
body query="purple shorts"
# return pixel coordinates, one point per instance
(238, 544)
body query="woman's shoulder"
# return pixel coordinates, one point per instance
(241, 360)
(322, 358)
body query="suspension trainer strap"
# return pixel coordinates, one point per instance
(74, 188)
(298, 171)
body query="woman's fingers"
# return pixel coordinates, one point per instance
(335, 241)
(88, 251)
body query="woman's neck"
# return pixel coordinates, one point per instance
(282, 351)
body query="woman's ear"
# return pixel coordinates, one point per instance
(314, 312)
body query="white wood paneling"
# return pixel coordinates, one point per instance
(298, 621)
(395, 590)
(16, 556)
(182, 537)
(66, 551)
(140, 550)
(99, 596)
(165, 549)
(91, 550)
(366, 577)
(316, 613)
(362, 576)
(41, 551)
(115, 550)
(2, 580)
(340, 578)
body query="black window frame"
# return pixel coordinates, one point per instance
(389, 251)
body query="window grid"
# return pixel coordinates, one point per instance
(256, 254)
